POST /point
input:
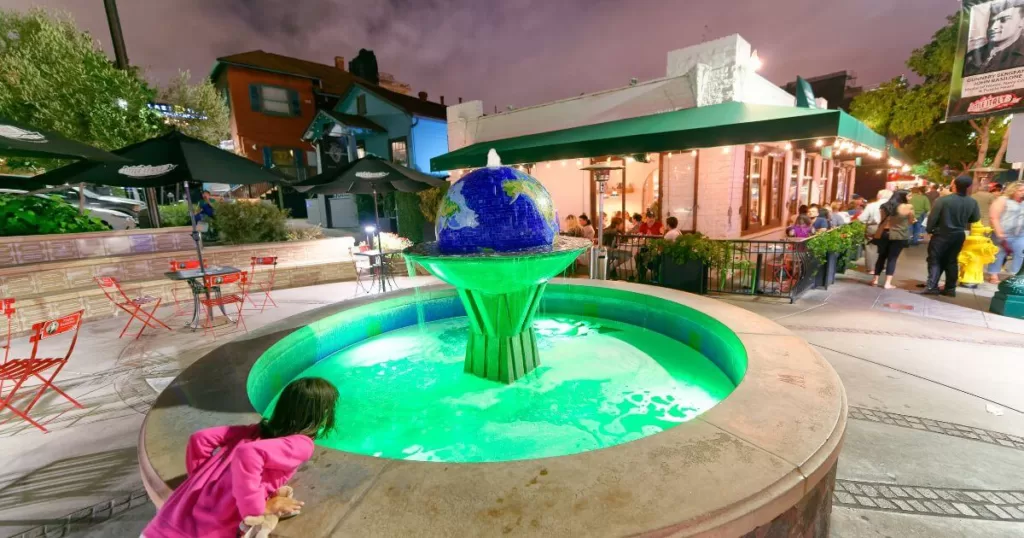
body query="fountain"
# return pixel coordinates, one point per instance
(501, 266)
(508, 403)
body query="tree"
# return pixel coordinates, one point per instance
(53, 76)
(212, 119)
(912, 114)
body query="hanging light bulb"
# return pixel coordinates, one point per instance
(670, 155)
(547, 165)
(789, 147)
(818, 143)
(757, 148)
(726, 149)
(693, 153)
(563, 163)
(579, 162)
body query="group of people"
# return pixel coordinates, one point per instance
(896, 220)
(646, 225)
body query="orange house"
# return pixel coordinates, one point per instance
(272, 102)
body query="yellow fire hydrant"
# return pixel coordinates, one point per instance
(978, 252)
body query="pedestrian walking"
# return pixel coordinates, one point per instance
(948, 224)
(922, 205)
(872, 217)
(892, 235)
(1007, 217)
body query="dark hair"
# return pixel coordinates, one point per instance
(892, 205)
(802, 210)
(962, 184)
(995, 187)
(672, 222)
(803, 220)
(305, 407)
(584, 218)
(637, 217)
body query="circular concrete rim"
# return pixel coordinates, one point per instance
(739, 465)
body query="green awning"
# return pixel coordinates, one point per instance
(703, 127)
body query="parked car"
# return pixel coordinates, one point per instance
(116, 220)
(92, 199)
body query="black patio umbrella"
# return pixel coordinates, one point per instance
(18, 140)
(369, 175)
(167, 160)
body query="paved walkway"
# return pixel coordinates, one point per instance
(935, 444)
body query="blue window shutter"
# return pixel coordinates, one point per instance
(254, 97)
(293, 100)
(268, 157)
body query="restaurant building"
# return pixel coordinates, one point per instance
(713, 143)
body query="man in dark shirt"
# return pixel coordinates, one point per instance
(1005, 47)
(948, 223)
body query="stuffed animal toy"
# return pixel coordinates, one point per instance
(262, 526)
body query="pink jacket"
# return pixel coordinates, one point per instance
(225, 485)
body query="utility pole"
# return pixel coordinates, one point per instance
(116, 37)
(121, 61)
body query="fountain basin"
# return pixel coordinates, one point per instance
(762, 459)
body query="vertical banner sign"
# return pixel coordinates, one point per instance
(988, 73)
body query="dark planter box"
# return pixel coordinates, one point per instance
(691, 276)
(827, 272)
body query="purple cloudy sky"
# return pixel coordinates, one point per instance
(518, 52)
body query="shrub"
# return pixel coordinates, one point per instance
(174, 214)
(35, 215)
(306, 234)
(430, 200)
(694, 246)
(248, 222)
(390, 241)
(410, 220)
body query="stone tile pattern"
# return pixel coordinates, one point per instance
(50, 248)
(944, 338)
(937, 426)
(993, 505)
(44, 293)
(87, 517)
(809, 518)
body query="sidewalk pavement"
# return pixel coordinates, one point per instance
(934, 446)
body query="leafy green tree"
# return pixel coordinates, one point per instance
(54, 76)
(912, 114)
(213, 123)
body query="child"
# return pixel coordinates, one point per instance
(234, 470)
(802, 228)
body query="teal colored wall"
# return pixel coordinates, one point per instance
(429, 139)
(381, 112)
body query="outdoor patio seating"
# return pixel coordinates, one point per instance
(217, 298)
(134, 307)
(269, 265)
(19, 371)
(177, 265)
(8, 311)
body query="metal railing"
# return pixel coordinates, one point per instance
(778, 268)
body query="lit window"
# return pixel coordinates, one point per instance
(274, 100)
(399, 152)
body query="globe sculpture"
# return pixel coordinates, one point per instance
(498, 244)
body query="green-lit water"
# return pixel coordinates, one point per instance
(601, 383)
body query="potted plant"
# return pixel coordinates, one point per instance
(832, 249)
(685, 261)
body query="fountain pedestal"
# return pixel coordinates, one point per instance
(501, 292)
(502, 346)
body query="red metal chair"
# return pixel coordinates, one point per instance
(8, 310)
(112, 289)
(215, 284)
(21, 370)
(265, 286)
(181, 265)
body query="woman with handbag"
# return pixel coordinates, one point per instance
(892, 235)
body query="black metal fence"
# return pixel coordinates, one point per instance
(781, 268)
(778, 268)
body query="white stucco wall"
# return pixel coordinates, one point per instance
(568, 185)
(678, 188)
(720, 192)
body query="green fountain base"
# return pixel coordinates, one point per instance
(1009, 300)
(501, 292)
(502, 346)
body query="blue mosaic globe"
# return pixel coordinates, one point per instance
(495, 209)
